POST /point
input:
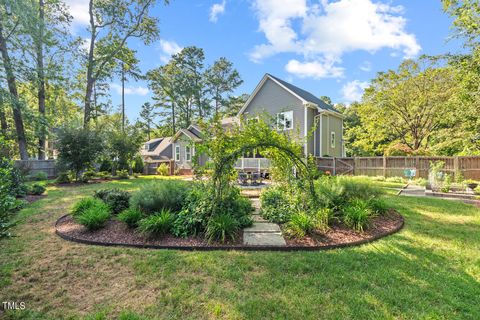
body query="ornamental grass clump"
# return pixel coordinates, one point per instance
(116, 199)
(84, 204)
(300, 225)
(356, 215)
(221, 228)
(158, 224)
(159, 195)
(131, 217)
(91, 213)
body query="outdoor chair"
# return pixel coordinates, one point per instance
(242, 178)
(255, 178)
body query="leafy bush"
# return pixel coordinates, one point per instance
(331, 193)
(138, 164)
(63, 177)
(275, 205)
(36, 189)
(7, 200)
(299, 225)
(157, 224)
(163, 169)
(116, 199)
(86, 203)
(421, 182)
(122, 174)
(221, 227)
(13, 176)
(322, 218)
(447, 184)
(39, 176)
(155, 196)
(378, 206)
(394, 179)
(104, 175)
(378, 178)
(356, 214)
(199, 208)
(131, 217)
(477, 190)
(88, 175)
(94, 217)
(78, 148)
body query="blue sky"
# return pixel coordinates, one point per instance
(330, 48)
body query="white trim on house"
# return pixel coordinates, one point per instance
(177, 152)
(305, 128)
(284, 128)
(188, 154)
(333, 140)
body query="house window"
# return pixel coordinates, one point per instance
(188, 153)
(285, 120)
(332, 139)
(177, 153)
(146, 147)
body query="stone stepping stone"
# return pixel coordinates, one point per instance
(262, 227)
(263, 239)
(258, 218)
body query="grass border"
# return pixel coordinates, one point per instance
(234, 247)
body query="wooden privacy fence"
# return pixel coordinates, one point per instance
(396, 166)
(30, 167)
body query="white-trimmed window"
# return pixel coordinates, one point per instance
(177, 153)
(285, 120)
(188, 153)
(332, 139)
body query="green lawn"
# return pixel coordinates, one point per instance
(430, 270)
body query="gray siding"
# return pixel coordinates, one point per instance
(272, 99)
(182, 142)
(331, 124)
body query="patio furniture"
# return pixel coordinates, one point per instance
(255, 178)
(242, 178)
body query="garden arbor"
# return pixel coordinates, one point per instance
(224, 147)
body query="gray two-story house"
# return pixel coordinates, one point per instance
(316, 125)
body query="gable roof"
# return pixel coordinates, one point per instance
(164, 143)
(305, 96)
(188, 133)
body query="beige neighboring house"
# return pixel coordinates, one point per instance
(316, 125)
(155, 152)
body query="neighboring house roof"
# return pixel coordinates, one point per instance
(229, 121)
(164, 143)
(188, 133)
(305, 96)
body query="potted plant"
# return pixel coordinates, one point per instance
(471, 184)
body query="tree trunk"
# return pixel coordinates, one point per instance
(90, 64)
(12, 87)
(41, 81)
(173, 119)
(123, 97)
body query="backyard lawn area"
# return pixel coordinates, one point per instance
(429, 270)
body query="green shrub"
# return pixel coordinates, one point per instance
(477, 190)
(299, 225)
(94, 217)
(359, 188)
(39, 176)
(116, 199)
(378, 178)
(331, 193)
(88, 175)
(395, 179)
(447, 184)
(356, 214)
(198, 208)
(86, 203)
(122, 174)
(378, 206)
(104, 175)
(36, 189)
(221, 228)
(63, 177)
(275, 205)
(131, 217)
(322, 218)
(157, 224)
(138, 165)
(155, 196)
(163, 169)
(421, 182)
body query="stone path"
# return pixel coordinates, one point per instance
(262, 232)
(413, 191)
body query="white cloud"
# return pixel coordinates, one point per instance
(314, 69)
(366, 66)
(330, 29)
(216, 10)
(169, 48)
(79, 10)
(353, 90)
(139, 90)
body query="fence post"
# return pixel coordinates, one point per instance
(384, 166)
(334, 167)
(455, 167)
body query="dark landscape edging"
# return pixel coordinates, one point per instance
(235, 247)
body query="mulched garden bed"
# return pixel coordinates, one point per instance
(340, 234)
(116, 232)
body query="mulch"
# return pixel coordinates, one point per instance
(116, 232)
(340, 234)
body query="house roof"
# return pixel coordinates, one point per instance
(188, 133)
(165, 142)
(229, 121)
(305, 96)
